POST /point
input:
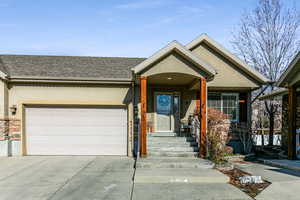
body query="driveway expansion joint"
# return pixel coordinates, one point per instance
(68, 180)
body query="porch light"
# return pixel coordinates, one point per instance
(169, 78)
(13, 109)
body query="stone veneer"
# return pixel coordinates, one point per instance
(10, 128)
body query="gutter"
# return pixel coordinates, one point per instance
(68, 80)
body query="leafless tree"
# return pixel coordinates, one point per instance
(267, 40)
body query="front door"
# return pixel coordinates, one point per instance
(167, 112)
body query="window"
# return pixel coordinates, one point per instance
(226, 103)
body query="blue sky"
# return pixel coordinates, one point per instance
(135, 28)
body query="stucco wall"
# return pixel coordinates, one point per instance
(3, 99)
(19, 93)
(228, 74)
(173, 63)
(3, 109)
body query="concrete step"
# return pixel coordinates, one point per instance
(172, 154)
(168, 134)
(174, 162)
(170, 139)
(175, 144)
(183, 175)
(175, 148)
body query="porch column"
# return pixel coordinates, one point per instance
(292, 123)
(143, 96)
(203, 120)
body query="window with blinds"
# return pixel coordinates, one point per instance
(228, 103)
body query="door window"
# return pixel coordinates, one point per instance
(163, 104)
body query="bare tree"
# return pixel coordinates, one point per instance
(267, 40)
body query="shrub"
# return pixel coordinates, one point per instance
(217, 134)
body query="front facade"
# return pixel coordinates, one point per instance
(52, 105)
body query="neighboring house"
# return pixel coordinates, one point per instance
(69, 105)
(290, 96)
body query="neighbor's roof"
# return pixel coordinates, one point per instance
(274, 94)
(68, 67)
(227, 54)
(177, 47)
(292, 69)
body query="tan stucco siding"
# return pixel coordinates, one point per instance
(228, 74)
(3, 99)
(57, 93)
(173, 63)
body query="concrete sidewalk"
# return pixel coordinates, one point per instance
(287, 164)
(181, 178)
(285, 183)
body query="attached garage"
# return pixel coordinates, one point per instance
(71, 130)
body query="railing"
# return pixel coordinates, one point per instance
(195, 128)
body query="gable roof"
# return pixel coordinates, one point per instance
(227, 54)
(180, 49)
(68, 67)
(290, 71)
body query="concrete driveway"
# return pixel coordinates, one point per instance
(66, 177)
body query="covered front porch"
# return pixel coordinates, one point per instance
(166, 108)
(172, 88)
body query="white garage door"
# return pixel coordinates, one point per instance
(76, 131)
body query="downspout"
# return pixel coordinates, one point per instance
(135, 128)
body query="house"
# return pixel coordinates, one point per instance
(289, 93)
(70, 105)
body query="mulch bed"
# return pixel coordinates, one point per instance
(252, 189)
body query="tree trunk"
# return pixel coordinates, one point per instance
(271, 129)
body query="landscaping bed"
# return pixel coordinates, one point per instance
(252, 189)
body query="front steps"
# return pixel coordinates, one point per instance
(171, 145)
(174, 162)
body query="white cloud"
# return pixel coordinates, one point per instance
(181, 14)
(142, 4)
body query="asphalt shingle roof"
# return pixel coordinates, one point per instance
(68, 66)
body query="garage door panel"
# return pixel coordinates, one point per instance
(84, 131)
(76, 131)
(75, 140)
(86, 147)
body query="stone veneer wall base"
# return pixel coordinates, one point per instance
(14, 148)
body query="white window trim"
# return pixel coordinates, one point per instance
(237, 104)
(237, 95)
